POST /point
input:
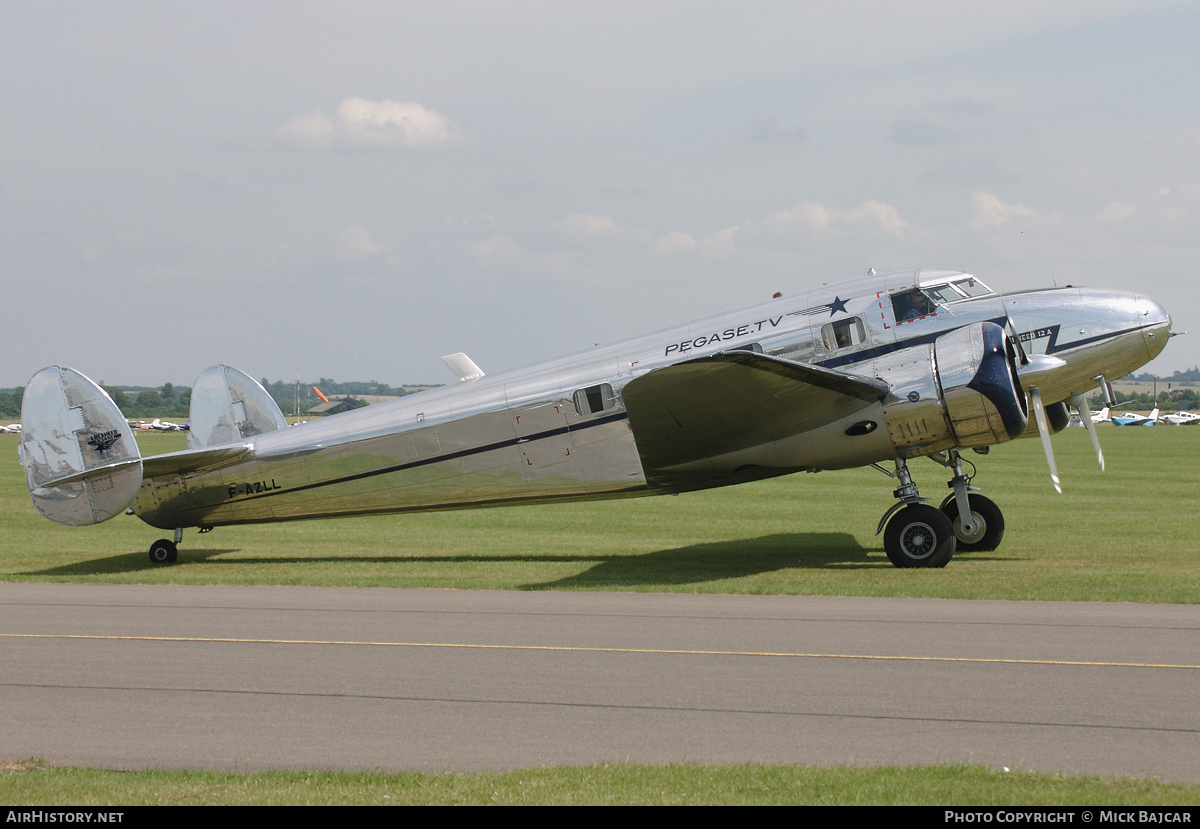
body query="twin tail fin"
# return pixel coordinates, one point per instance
(82, 462)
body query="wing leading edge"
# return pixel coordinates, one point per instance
(701, 416)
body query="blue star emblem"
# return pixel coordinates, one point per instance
(838, 304)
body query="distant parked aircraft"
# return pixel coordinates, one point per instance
(1181, 418)
(1134, 419)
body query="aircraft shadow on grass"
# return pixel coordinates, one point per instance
(693, 564)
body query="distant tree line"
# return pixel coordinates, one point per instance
(1172, 400)
(285, 396)
(1192, 375)
(10, 403)
(172, 402)
(167, 401)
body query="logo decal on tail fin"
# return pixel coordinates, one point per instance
(104, 441)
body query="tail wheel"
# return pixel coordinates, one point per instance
(163, 551)
(919, 536)
(987, 517)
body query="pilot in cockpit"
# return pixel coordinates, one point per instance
(913, 306)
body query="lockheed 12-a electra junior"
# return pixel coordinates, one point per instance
(879, 370)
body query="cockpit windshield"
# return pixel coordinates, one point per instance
(972, 287)
(942, 294)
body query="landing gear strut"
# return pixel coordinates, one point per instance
(919, 535)
(989, 521)
(978, 522)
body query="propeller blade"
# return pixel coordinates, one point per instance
(1039, 414)
(1011, 328)
(1079, 401)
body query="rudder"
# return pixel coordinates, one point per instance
(82, 463)
(228, 406)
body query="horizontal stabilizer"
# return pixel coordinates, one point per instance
(732, 401)
(228, 406)
(82, 464)
(193, 460)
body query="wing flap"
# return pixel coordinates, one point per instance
(717, 405)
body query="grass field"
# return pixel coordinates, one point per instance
(32, 784)
(1126, 535)
(1129, 534)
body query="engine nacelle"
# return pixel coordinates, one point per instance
(961, 390)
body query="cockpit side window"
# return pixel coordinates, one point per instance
(912, 305)
(843, 333)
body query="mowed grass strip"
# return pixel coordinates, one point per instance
(33, 783)
(1130, 534)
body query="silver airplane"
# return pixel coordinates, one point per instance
(882, 369)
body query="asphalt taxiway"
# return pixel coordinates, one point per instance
(139, 676)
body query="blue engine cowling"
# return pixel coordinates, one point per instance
(961, 390)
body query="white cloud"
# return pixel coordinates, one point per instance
(356, 244)
(471, 220)
(495, 250)
(675, 241)
(815, 217)
(989, 213)
(592, 228)
(307, 132)
(359, 123)
(587, 224)
(1116, 211)
(809, 218)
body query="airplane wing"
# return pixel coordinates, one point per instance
(723, 403)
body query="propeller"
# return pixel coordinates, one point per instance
(1079, 401)
(1011, 328)
(1039, 414)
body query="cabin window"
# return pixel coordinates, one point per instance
(755, 347)
(843, 333)
(912, 305)
(594, 399)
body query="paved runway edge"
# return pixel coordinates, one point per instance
(134, 676)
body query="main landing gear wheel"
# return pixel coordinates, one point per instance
(985, 514)
(919, 536)
(163, 551)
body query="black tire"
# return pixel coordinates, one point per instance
(919, 536)
(163, 551)
(984, 510)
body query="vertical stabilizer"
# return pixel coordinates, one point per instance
(81, 461)
(229, 406)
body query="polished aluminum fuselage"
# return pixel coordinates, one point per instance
(519, 436)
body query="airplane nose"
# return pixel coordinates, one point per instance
(1156, 325)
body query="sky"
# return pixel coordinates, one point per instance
(352, 190)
